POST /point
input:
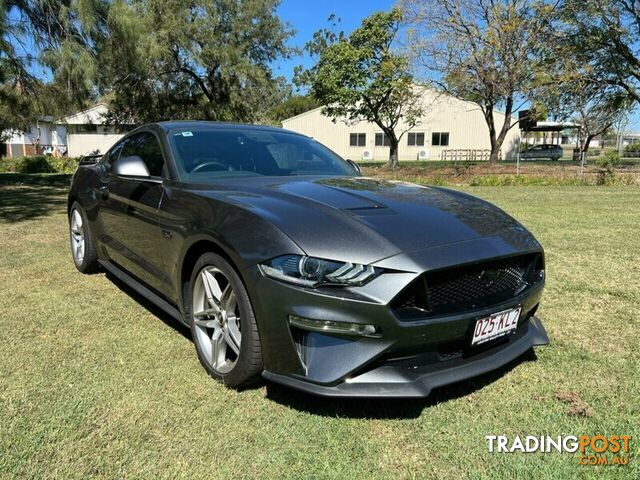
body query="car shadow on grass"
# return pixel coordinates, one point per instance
(387, 408)
(27, 197)
(150, 307)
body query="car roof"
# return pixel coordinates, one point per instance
(186, 124)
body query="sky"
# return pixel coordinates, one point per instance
(308, 16)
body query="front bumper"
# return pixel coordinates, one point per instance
(409, 359)
(419, 380)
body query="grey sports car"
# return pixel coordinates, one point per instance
(286, 263)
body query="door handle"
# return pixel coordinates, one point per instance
(104, 191)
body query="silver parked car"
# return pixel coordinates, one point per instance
(552, 152)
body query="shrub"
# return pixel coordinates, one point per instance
(38, 164)
(64, 164)
(606, 167)
(632, 150)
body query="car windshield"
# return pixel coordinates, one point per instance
(209, 154)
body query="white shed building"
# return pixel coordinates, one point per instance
(87, 132)
(450, 128)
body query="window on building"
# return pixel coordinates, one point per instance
(415, 139)
(382, 140)
(86, 128)
(357, 139)
(440, 139)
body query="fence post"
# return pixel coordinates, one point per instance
(519, 148)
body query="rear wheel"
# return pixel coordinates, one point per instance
(223, 324)
(82, 249)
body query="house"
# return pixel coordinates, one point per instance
(449, 129)
(87, 132)
(43, 138)
(78, 134)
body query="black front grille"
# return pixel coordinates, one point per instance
(467, 288)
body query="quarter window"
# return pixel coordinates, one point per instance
(146, 146)
(440, 139)
(382, 140)
(357, 139)
(415, 139)
(113, 155)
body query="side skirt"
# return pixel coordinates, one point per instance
(142, 290)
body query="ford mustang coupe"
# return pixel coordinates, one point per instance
(285, 262)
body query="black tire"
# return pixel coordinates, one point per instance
(89, 262)
(248, 367)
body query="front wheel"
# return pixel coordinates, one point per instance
(223, 324)
(83, 251)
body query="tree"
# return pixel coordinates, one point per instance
(201, 59)
(595, 106)
(596, 111)
(600, 65)
(55, 38)
(486, 52)
(292, 106)
(605, 36)
(151, 59)
(361, 78)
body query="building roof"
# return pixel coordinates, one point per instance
(91, 116)
(313, 110)
(554, 126)
(431, 90)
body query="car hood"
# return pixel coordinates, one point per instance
(365, 220)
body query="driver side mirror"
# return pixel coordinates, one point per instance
(355, 166)
(131, 166)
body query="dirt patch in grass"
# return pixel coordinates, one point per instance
(576, 406)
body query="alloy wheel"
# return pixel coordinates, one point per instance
(216, 319)
(77, 237)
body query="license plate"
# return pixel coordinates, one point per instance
(495, 325)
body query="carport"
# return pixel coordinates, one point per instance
(553, 128)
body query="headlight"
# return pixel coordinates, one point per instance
(312, 272)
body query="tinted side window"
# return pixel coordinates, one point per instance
(113, 155)
(146, 147)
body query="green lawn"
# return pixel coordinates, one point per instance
(92, 383)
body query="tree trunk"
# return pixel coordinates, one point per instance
(586, 141)
(584, 147)
(495, 148)
(394, 143)
(497, 139)
(494, 156)
(496, 145)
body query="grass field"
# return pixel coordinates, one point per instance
(95, 384)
